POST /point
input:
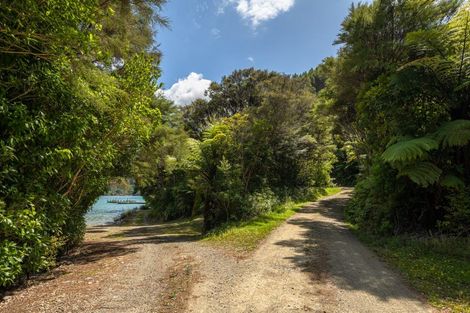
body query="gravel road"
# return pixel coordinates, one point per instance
(311, 263)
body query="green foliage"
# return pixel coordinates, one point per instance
(260, 140)
(239, 90)
(74, 110)
(261, 202)
(406, 155)
(454, 134)
(457, 218)
(452, 182)
(375, 199)
(409, 150)
(164, 172)
(399, 92)
(422, 173)
(245, 236)
(26, 245)
(275, 145)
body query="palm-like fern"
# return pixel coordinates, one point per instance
(422, 173)
(444, 53)
(452, 181)
(407, 150)
(445, 50)
(409, 155)
(455, 133)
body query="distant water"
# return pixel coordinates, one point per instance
(103, 212)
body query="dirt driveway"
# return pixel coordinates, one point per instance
(311, 263)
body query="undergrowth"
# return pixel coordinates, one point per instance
(245, 236)
(439, 267)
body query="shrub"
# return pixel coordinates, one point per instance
(260, 202)
(27, 245)
(383, 203)
(457, 218)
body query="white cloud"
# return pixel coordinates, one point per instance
(196, 24)
(258, 11)
(188, 89)
(251, 59)
(222, 4)
(215, 32)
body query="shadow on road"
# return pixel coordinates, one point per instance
(106, 243)
(109, 241)
(329, 250)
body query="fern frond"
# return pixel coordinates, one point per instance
(452, 181)
(396, 139)
(444, 70)
(409, 150)
(422, 173)
(426, 41)
(464, 84)
(455, 133)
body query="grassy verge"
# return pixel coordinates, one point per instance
(437, 267)
(137, 217)
(132, 217)
(246, 236)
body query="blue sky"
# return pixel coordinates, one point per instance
(210, 38)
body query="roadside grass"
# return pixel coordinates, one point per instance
(244, 237)
(188, 227)
(132, 217)
(438, 267)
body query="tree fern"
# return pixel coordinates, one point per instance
(455, 133)
(428, 41)
(442, 69)
(422, 173)
(409, 150)
(444, 50)
(452, 181)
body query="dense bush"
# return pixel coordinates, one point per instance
(165, 172)
(398, 94)
(400, 91)
(77, 85)
(384, 203)
(457, 217)
(260, 140)
(79, 104)
(261, 202)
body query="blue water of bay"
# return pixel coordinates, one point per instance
(102, 212)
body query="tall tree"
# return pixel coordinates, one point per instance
(77, 101)
(399, 92)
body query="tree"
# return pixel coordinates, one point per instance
(400, 95)
(237, 91)
(76, 103)
(261, 137)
